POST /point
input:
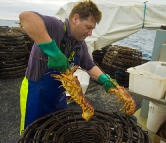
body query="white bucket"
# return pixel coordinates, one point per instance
(156, 116)
(83, 78)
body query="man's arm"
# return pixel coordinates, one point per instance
(95, 72)
(101, 77)
(34, 27)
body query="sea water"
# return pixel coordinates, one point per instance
(143, 40)
(10, 23)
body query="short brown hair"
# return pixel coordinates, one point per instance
(85, 9)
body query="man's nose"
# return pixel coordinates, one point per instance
(89, 32)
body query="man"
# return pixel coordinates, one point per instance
(56, 45)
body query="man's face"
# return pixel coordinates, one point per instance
(83, 28)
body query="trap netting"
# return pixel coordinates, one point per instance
(14, 47)
(115, 60)
(68, 126)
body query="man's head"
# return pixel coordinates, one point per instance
(83, 19)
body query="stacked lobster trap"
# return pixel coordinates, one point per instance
(14, 44)
(117, 59)
(99, 54)
(67, 126)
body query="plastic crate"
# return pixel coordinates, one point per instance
(148, 79)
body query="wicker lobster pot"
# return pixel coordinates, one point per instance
(98, 55)
(68, 126)
(13, 52)
(118, 59)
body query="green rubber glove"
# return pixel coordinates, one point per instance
(58, 62)
(56, 59)
(105, 80)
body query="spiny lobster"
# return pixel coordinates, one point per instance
(123, 94)
(73, 87)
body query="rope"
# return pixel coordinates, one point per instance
(144, 14)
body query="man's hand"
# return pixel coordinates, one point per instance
(58, 62)
(105, 80)
(56, 59)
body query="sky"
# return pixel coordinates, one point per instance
(10, 9)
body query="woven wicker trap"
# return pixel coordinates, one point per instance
(67, 126)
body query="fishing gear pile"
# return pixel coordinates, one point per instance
(117, 59)
(99, 54)
(14, 44)
(161, 132)
(68, 126)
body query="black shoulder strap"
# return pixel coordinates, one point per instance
(63, 42)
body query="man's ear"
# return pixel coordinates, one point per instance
(75, 18)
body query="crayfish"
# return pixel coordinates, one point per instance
(73, 87)
(121, 92)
